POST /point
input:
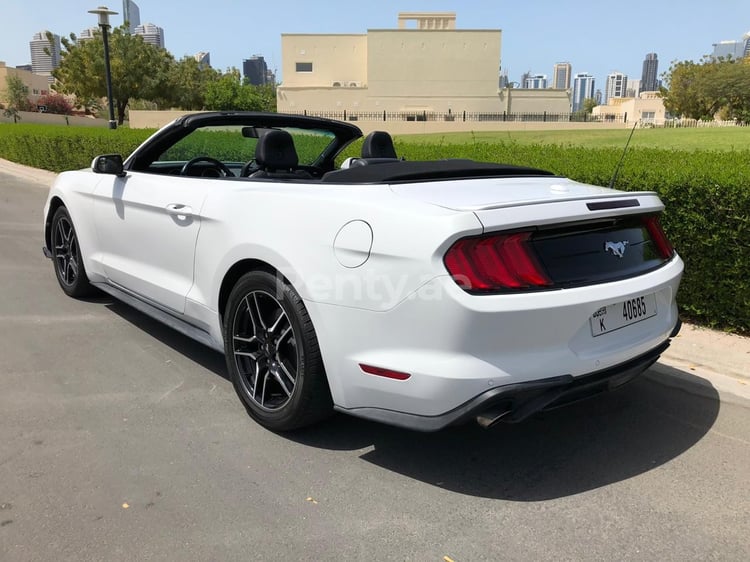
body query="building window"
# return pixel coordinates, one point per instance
(303, 67)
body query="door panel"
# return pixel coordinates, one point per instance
(147, 226)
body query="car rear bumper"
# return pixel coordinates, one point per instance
(515, 402)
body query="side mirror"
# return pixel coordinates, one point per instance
(108, 164)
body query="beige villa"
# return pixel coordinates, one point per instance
(37, 84)
(648, 107)
(425, 65)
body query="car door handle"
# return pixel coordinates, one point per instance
(179, 210)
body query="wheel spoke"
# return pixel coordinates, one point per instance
(277, 322)
(285, 370)
(283, 336)
(282, 384)
(257, 312)
(69, 274)
(251, 316)
(263, 393)
(254, 356)
(252, 339)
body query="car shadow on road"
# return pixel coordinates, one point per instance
(202, 355)
(554, 454)
(600, 441)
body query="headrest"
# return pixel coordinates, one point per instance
(378, 144)
(275, 151)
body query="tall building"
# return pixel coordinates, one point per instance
(562, 72)
(634, 89)
(87, 34)
(650, 74)
(255, 70)
(131, 15)
(45, 53)
(151, 34)
(503, 81)
(616, 86)
(583, 87)
(732, 49)
(535, 82)
(203, 58)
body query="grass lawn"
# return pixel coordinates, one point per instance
(718, 138)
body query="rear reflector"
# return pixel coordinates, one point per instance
(495, 263)
(387, 373)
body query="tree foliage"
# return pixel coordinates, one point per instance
(187, 83)
(589, 104)
(229, 93)
(709, 88)
(17, 95)
(139, 70)
(152, 77)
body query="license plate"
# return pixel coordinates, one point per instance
(615, 316)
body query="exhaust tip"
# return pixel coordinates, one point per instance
(493, 416)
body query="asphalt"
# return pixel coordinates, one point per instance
(715, 359)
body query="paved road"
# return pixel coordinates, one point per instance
(122, 440)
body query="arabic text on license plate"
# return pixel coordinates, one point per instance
(615, 316)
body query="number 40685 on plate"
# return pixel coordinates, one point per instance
(615, 316)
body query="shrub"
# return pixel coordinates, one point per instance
(56, 103)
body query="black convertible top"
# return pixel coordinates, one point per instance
(401, 171)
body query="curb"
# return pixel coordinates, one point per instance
(42, 178)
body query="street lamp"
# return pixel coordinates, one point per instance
(103, 12)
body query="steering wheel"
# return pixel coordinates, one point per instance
(220, 166)
(248, 168)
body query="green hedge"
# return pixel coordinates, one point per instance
(706, 193)
(56, 148)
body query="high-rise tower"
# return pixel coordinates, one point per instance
(131, 15)
(617, 85)
(45, 53)
(561, 80)
(255, 69)
(151, 34)
(650, 74)
(583, 87)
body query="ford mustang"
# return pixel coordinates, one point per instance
(417, 293)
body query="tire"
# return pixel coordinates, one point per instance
(66, 255)
(272, 354)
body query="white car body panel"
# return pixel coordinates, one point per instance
(147, 228)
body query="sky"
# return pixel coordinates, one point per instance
(595, 37)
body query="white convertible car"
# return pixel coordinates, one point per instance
(419, 294)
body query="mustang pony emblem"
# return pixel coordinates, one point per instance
(617, 248)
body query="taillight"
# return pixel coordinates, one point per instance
(655, 231)
(495, 263)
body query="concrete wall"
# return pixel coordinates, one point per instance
(153, 119)
(418, 64)
(522, 100)
(335, 58)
